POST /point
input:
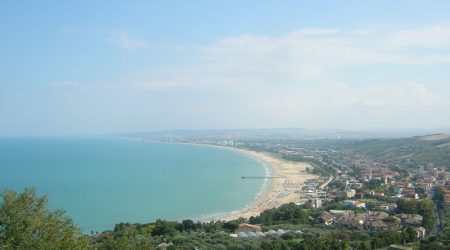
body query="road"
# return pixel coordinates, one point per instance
(437, 220)
(326, 183)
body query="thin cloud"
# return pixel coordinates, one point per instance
(65, 84)
(296, 58)
(295, 80)
(319, 78)
(437, 36)
(125, 41)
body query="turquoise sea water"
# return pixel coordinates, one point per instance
(103, 181)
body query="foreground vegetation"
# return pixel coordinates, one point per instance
(26, 223)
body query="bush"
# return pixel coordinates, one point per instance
(26, 223)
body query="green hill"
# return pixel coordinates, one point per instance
(415, 151)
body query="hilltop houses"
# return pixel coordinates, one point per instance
(412, 219)
(371, 221)
(354, 203)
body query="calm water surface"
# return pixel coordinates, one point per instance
(103, 181)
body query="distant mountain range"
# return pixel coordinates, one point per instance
(281, 134)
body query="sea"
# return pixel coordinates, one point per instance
(103, 181)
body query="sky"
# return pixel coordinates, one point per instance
(105, 67)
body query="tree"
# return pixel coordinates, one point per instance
(423, 207)
(433, 245)
(323, 243)
(26, 223)
(188, 225)
(337, 184)
(438, 194)
(373, 184)
(163, 227)
(274, 244)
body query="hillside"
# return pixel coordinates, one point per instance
(413, 151)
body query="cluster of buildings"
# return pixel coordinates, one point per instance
(363, 181)
(366, 190)
(371, 220)
(349, 219)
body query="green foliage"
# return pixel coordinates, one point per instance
(111, 240)
(26, 223)
(373, 184)
(364, 245)
(444, 215)
(337, 184)
(408, 151)
(274, 244)
(324, 243)
(433, 245)
(387, 238)
(390, 219)
(438, 195)
(230, 226)
(163, 227)
(289, 212)
(188, 225)
(423, 207)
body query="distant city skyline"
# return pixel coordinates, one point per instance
(84, 68)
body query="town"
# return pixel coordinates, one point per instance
(355, 191)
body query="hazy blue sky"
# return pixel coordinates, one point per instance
(94, 67)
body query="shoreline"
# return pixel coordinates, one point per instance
(274, 192)
(284, 189)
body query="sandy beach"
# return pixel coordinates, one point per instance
(290, 178)
(284, 189)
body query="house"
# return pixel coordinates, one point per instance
(388, 207)
(357, 185)
(375, 215)
(348, 203)
(446, 193)
(360, 195)
(367, 175)
(354, 221)
(246, 228)
(379, 194)
(390, 174)
(412, 219)
(370, 192)
(374, 221)
(327, 218)
(421, 232)
(360, 204)
(424, 185)
(409, 193)
(350, 193)
(335, 212)
(376, 225)
(398, 190)
(357, 204)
